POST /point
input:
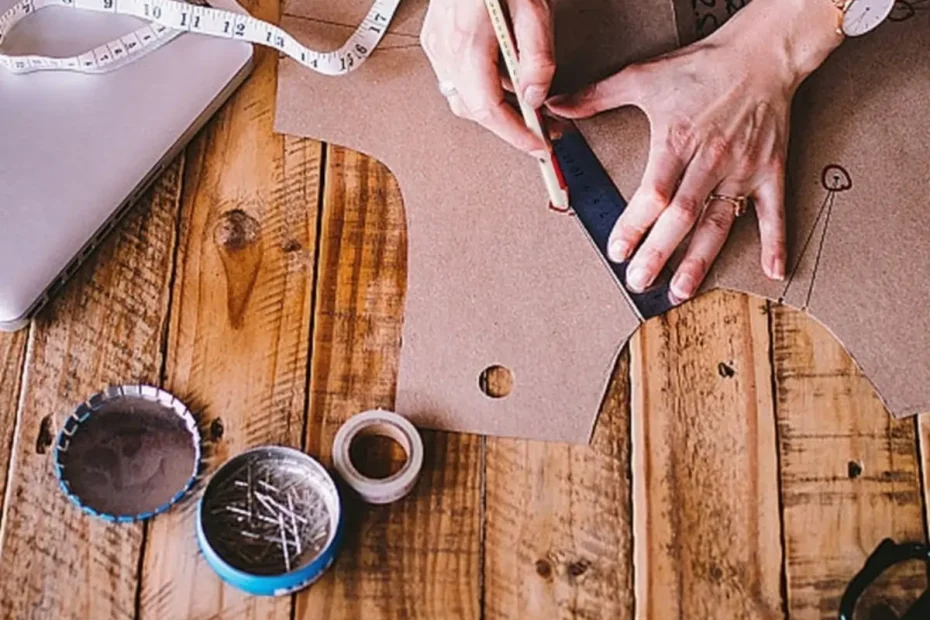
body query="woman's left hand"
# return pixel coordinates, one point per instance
(719, 117)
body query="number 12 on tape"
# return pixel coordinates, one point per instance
(170, 18)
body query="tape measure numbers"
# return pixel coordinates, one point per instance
(169, 18)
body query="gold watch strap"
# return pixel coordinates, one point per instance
(842, 6)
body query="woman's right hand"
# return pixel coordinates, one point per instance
(459, 41)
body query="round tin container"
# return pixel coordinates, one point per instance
(270, 521)
(128, 453)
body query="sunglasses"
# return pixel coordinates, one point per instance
(887, 554)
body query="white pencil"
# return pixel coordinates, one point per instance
(552, 174)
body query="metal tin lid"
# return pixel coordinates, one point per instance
(128, 453)
(270, 521)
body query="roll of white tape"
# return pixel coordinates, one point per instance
(386, 424)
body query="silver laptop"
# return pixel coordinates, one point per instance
(77, 150)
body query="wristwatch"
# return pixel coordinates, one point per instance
(862, 16)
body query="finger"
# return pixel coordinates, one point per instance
(673, 224)
(618, 90)
(770, 210)
(708, 239)
(507, 84)
(532, 29)
(481, 92)
(663, 170)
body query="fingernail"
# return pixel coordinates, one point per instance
(555, 101)
(539, 154)
(619, 250)
(534, 96)
(778, 268)
(683, 286)
(637, 279)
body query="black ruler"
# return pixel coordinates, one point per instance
(597, 203)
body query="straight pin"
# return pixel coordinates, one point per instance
(290, 504)
(248, 493)
(277, 507)
(287, 555)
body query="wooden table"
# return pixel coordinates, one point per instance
(741, 463)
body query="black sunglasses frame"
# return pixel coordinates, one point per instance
(887, 554)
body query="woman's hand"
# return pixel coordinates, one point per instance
(459, 41)
(719, 117)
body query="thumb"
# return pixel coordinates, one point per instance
(616, 91)
(533, 31)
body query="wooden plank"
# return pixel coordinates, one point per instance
(240, 322)
(559, 521)
(12, 357)
(849, 472)
(418, 557)
(105, 327)
(706, 527)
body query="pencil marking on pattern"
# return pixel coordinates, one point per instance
(330, 22)
(835, 179)
(711, 14)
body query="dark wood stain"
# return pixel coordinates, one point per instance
(238, 239)
(45, 437)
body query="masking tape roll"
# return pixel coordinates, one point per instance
(386, 424)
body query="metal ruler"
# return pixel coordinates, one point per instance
(169, 18)
(597, 204)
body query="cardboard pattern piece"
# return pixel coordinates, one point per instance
(494, 278)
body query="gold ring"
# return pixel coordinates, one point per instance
(740, 203)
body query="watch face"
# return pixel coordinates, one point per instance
(864, 15)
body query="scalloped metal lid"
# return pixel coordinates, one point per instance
(128, 453)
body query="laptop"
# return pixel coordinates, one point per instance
(77, 150)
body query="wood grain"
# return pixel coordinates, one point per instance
(706, 528)
(418, 557)
(849, 472)
(105, 327)
(559, 536)
(240, 323)
(12, 356)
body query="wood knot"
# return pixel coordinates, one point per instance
(716, 573)
(725, 370)
(236, 230)
(217, 429)
(577, 569)
(543, 568)
(853, 469)
(44, 439)
(291, 245)
(238, 240)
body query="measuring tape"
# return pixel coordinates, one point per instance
(169, 18)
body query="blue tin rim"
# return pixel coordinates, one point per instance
(284, 583)
(86, 409)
